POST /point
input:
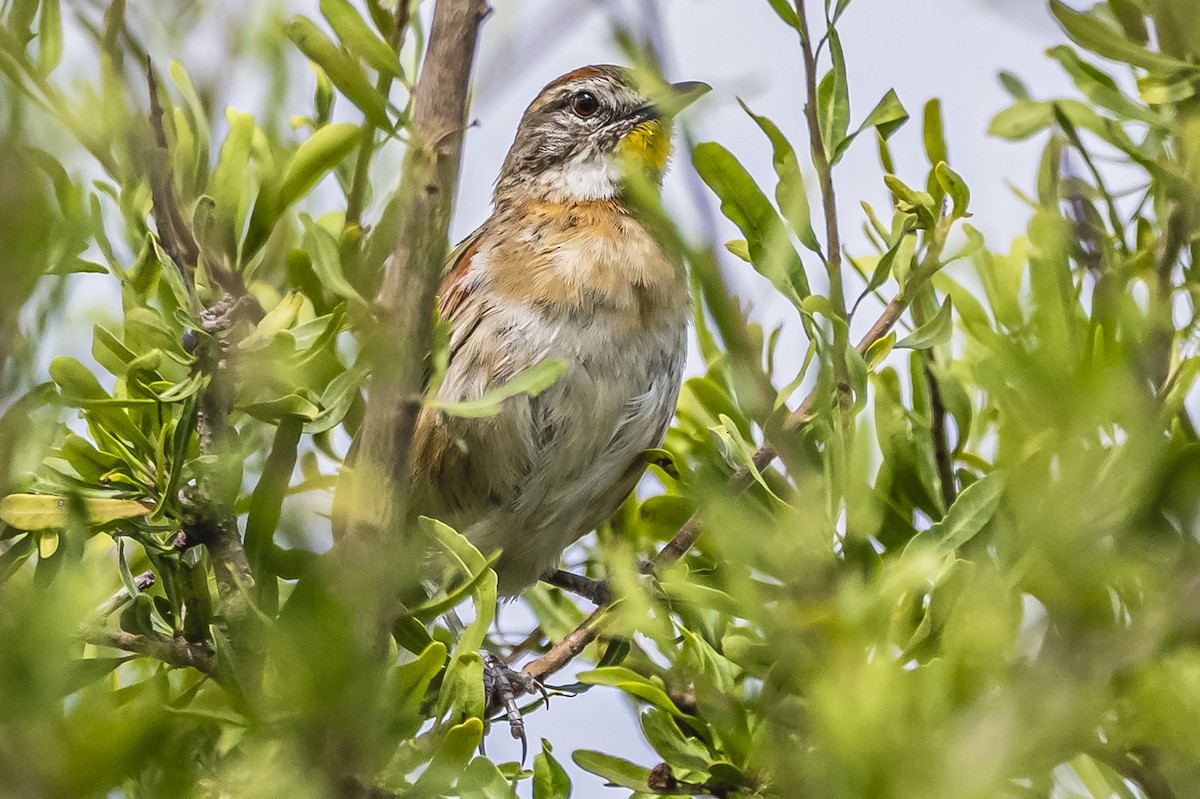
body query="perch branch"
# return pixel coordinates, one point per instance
(369, 556)
(175, 652)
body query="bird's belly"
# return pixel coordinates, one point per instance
(558, 464)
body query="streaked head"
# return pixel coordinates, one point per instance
(585, 129)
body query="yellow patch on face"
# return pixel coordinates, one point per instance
(649, 144)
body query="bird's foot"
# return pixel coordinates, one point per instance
(502, 685)
(595, 591)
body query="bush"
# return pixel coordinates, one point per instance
(956, 557)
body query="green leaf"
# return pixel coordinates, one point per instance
(744, 204)
(933, 133)
(463, 555)
(359, 39)
(550, 780)
(457, 747)
(46, 512)
(740, 248)
(482, 779)
(789, 192)
(614, 769)
(934, 332)
(786, 13)
(955, 188)
(971, 511)
(320, 153)
(327, 260)
(50, 36)
(1101, 88)
(633, 684)
(289, 405)
(879, 350)
(1021, 120)
(668, 741)
(230, 182)
(888, 116)
(833, 99)
(1088, 30)
(345, 73)
(532, 382)
(410, 682)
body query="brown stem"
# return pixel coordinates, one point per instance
(174, 233)
(941, 444)
(173, 651)
(210, 517)
(833, 246)
(369, 558)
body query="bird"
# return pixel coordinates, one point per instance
(563, 268)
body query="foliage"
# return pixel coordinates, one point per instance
(973, 572)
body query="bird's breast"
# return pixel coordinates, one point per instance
(586, 261)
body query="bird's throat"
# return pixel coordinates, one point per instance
(648, 145)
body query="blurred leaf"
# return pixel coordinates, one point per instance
(971, 511)
(50, 36)
(1090, 32)
(934, 332)
(44, 512)
(345, 73)
(358, 37)
(532, 382)
(316, 156)
(614, 769)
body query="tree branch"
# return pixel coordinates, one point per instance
(370, 556)
(175, 652)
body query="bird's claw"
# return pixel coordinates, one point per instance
(502, 685)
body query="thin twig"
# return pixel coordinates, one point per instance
(941, 443)
(174, 233)
(118, 600)
(833, 245)
(176, 652)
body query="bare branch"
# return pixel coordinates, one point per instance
(176, 652)
(375, 503)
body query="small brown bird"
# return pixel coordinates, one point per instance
(561, 269)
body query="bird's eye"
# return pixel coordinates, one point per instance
(585, 104)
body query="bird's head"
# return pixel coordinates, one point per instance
(585, 130)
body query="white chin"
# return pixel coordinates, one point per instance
(591, 179)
